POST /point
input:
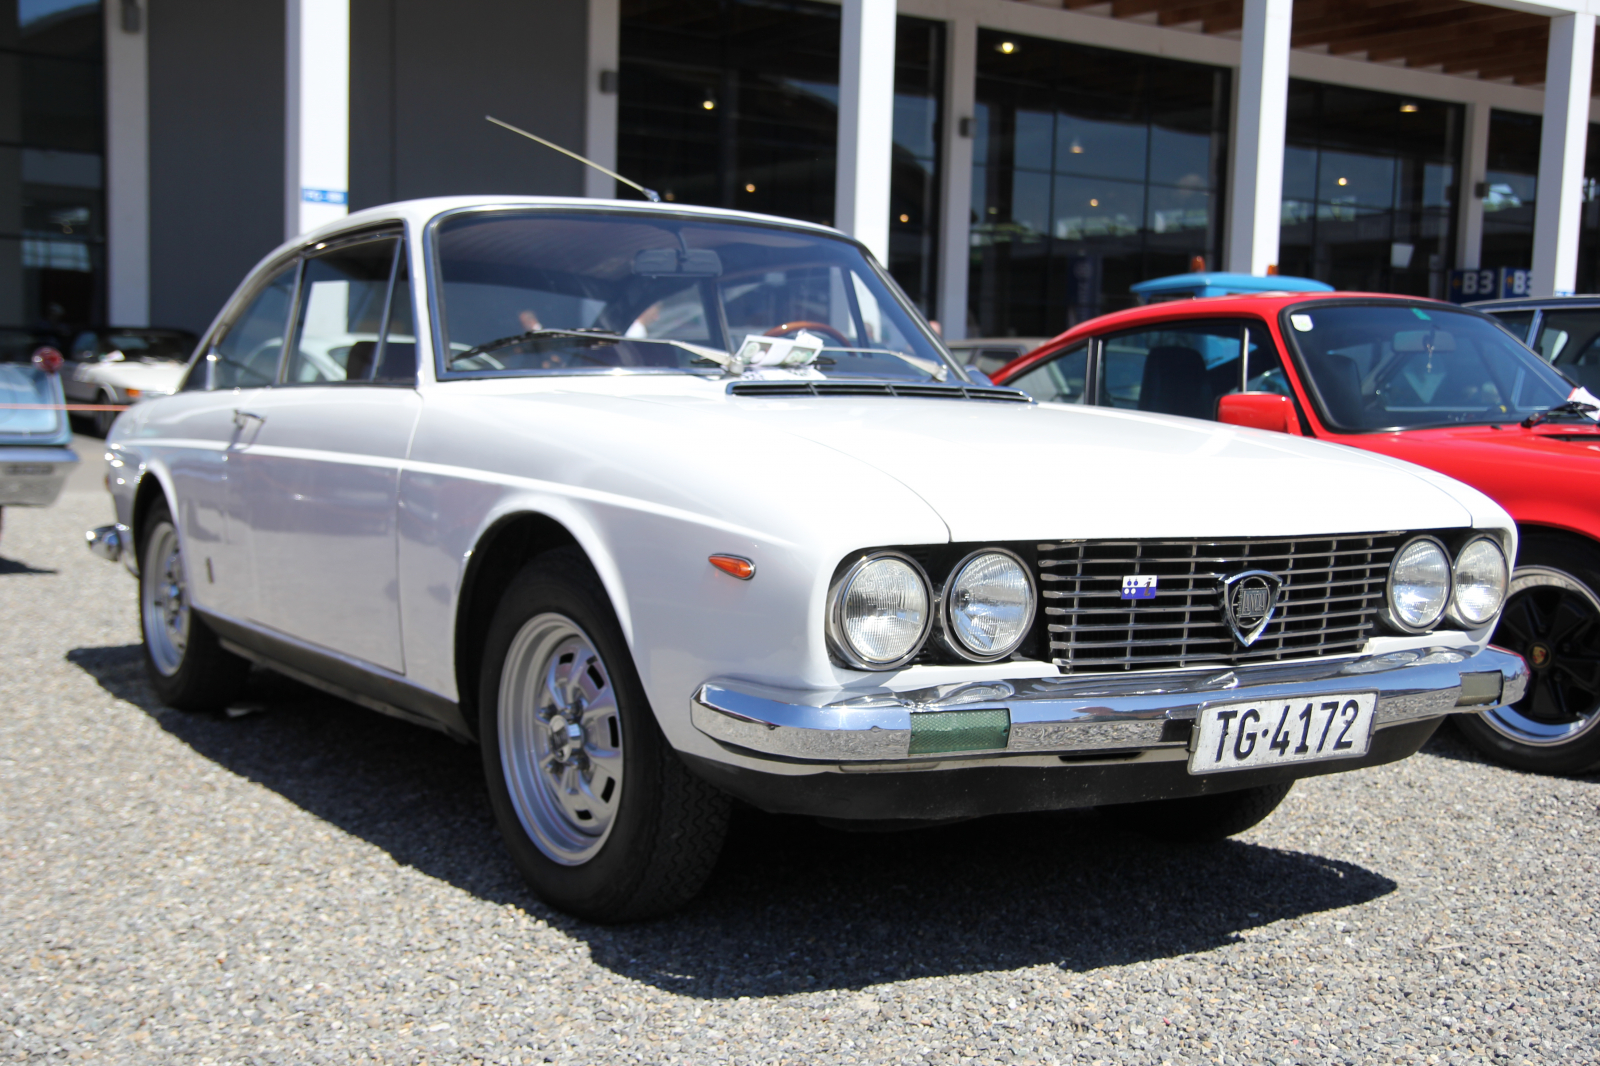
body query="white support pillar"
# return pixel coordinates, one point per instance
(317, 114)
(127, 170)
(1558, 210)
(955, 208)
(1255, 186)
(1474, 171)
(600, 131)
(866, 123)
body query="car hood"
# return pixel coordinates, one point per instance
(1005, 471)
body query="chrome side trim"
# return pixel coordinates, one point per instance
(1065, 715)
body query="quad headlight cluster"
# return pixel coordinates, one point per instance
(1425, 585)
(883, 609)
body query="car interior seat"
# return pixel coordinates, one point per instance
(358, 364)
(1174, 382)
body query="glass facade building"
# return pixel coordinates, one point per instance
(735, 103)
(1092, 169)
(52, 146)
(1369, 189)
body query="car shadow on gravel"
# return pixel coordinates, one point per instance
(17, 566)
(792, 906)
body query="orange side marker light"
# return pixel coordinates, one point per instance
(743, 569)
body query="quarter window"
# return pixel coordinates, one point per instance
(344, 295)
(1060, 380)
(247, 355)
(1183, 368)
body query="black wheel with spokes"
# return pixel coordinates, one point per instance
(1551, 619)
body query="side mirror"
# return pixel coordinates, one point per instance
(1259, 410)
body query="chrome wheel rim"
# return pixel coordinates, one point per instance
(560, 739)
(165, 600)
(1552, 620)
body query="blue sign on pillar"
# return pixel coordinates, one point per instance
(1467, 286)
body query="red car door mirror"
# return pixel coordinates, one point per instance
(1259, 410)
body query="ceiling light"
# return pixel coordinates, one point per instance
(1076, 149)
(750, 188)
(1408, 109)
(1094, 203)
(1344, 181)
(905, 218)
(1006, 47)
(708, 104)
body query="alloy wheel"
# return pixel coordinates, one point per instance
(165, 601)
(1553, 621)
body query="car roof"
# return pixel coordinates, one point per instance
(1533, 303)
(1225, 283)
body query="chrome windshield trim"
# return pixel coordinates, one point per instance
(1067, 715)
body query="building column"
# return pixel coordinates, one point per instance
(955, 169)
(600, 130)
(1558, 211)
(1255, 185)
(866, 123)
(1474, 172)
(317, 114)
(127, 170)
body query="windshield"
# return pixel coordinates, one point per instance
(136, 344)
(572, 292)
(28, 399)
(1393, 365)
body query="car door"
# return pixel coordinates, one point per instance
(1185, 367)
(198, 433)
(321, 472)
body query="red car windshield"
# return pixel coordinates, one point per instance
(1388, 365)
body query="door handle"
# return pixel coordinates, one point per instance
(241, 417)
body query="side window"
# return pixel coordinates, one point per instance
(343, 295)
(1516, 321)
(1058, 381)
(1183, 367)
(1571, 341)
(247, 355)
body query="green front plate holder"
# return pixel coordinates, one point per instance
(935, 732)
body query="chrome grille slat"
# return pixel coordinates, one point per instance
(1332, 588)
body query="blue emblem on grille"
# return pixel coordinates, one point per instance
(1139, 587)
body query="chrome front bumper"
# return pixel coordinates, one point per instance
(34, 476)
(1067, 715)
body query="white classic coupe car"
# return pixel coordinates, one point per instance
(663, 506)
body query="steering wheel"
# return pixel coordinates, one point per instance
(821, 327)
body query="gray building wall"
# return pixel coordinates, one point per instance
(216, 150)
(423, 75)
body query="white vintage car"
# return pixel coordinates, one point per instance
(663, 506)
(112, 367)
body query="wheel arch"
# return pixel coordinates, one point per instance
(1577, 538)
(152, 486)
(503, 549)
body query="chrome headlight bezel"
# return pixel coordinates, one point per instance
(1452, 611)
(1391, 617)
(839, 643)
(947, 630)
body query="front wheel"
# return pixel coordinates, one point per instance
(1196, 819)
(600, 815)
(1552, 619)
(187, 664)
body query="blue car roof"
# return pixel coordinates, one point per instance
(1219, 283)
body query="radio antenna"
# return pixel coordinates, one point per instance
(649, 194)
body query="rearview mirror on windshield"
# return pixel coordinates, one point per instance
(1424, 340)
(695, 263)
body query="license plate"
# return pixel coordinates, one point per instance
(1242, 735)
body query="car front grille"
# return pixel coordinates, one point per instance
(1332, 589)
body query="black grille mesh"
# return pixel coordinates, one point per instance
(1332, 589)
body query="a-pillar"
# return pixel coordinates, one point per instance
(1255, 189)
(866, 123)
(317, 114)
(1558, 209)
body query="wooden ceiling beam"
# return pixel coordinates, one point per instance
(1125, 9)
(1201, 12)
(1424, 53)
(1478, 27)
(1314, 24)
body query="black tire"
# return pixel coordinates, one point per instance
(103, 419)
(666, 827)
(1551, 619)
(1198, 819)
(194, 673)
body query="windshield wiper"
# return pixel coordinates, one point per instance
(595, 335)
(1566, 409)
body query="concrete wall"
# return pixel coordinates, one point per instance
(423, 75)
(216, 150)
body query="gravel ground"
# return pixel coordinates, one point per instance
(317, 883)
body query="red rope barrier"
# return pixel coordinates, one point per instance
(63, 407)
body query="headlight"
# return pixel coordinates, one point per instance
(988, 605)
(879, 615)
(1419, 584)
(1481, 577)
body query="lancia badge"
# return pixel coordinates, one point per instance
(1139, 587)
(1248, 600)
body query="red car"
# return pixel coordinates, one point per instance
(1440, 386)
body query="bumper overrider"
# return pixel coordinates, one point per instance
(1046, 743)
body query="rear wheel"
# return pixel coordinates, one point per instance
(600, 815)
(1196, 819)
(188, 666)
(104, 419)
(1552, 619)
